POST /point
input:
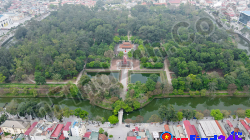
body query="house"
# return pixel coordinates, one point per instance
(102, 137)
(56, 133)
(223, 128)
(247, 121)
(78, 128)
(66, 130)
(20, 137)
(229, 127)
(75, 138)
(188, 129)
(94, 135)
(220, 127)
(15, 126)
(246, 129)
(87, 135)
(5, 21)
(43, 130)
(244, 17)
(174, 2)
(166, 128)
(208, 129)
(30, 129)
(131, 138)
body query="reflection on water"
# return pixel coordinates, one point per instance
(226, 103)
(115, 74)
(143, 77)
(201, 103)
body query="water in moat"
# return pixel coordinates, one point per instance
(143, 77)
(115, 74)
(227, 103)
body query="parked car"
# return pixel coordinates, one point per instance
(127, 125)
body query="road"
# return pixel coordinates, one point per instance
(167, 71)
(80, 74)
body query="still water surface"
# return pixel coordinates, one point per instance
(227, 103)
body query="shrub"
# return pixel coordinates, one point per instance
(111, 136)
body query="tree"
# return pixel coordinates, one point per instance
(67, 112)
(225, 113)
(58, 112)
(2, 78)
(212, 87)
(150, 84)
(40, 80)
(84, 80)
(206, 113)
(109, 53)
(231, 89)
(154, 118)
(199, 115)
(241, 113)
(120, 54)
(116, 39)
(180, 116)
(113, 119)
(248, 113)
(162, 111)
(83, 114)
(101, 131)
(216, 114)
(21, 32)
(139, 119)
(203, 92)
(100, 119)
(136, 105)
(77, 112)
(12, 107)
(57, 77)
(154, 77)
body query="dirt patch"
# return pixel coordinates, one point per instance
(219, 71)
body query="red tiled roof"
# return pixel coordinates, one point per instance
(223, 133)
(188, 127)
(247, 120)
(136, 129)
(195, 131)
(209, 1)
(66, 127)
(62, 136)
(57, 131)
(229, 123)
(30, 129)
(245, 125)
(160, 4)
(166, 128)
(144, 3)
(87, 134)
(131, 138)
(102, 137)
(126, 45)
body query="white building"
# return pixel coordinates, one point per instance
(208, 129)
(5, 21)
(78, 128)
(66, 130)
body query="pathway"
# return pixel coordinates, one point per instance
(124, 81)
(167, 71)
(80, 74)
(120, 116)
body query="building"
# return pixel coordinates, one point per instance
(78, 128)
(30, 129)
(125, 47)
(223, 128)
(245, 128)
(174, 2)
(220, 127)
(208, 129)
(66, 131)
(94, 135)
(189, 129)
(247, 121)
(244, 17)
(15, 126)
(229, 127)
(20, 137)
(102, 137)
(156, 135)
(15, 16)
(166, 127)
(43, 130)
(75, 138)
(57, 132)
(5, 21)
(87, 135)
(149, 136)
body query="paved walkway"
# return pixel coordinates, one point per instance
(124, 81)
(120, 116)
(167, 71)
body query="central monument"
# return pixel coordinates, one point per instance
(124, 63)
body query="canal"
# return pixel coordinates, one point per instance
(201, 103)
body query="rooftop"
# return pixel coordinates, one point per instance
(247, 120)
(94, 136)
(126, 45)
(57, 131)
(246, 12)
(102, 137)
(16, 123)
(87, 134)
(30, 129)
(66, 127)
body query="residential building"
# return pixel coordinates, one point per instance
(149, 136)
(208, 129)
(189, 129)
(15, 16)
(166, 128)
(246, 129)
(220, 127)
(78, 128)
(30, 129)
(57, 132)
(223, 128)
(42, 131)
(94, 135)
(156, 135)
(87, 135)
(20, 137)
(66, 129)
(247, 121)
(244, 17)
(102, 137)
(75, 138)
(229, 127)
(174, 2)
(5, 21)
(15, 126)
